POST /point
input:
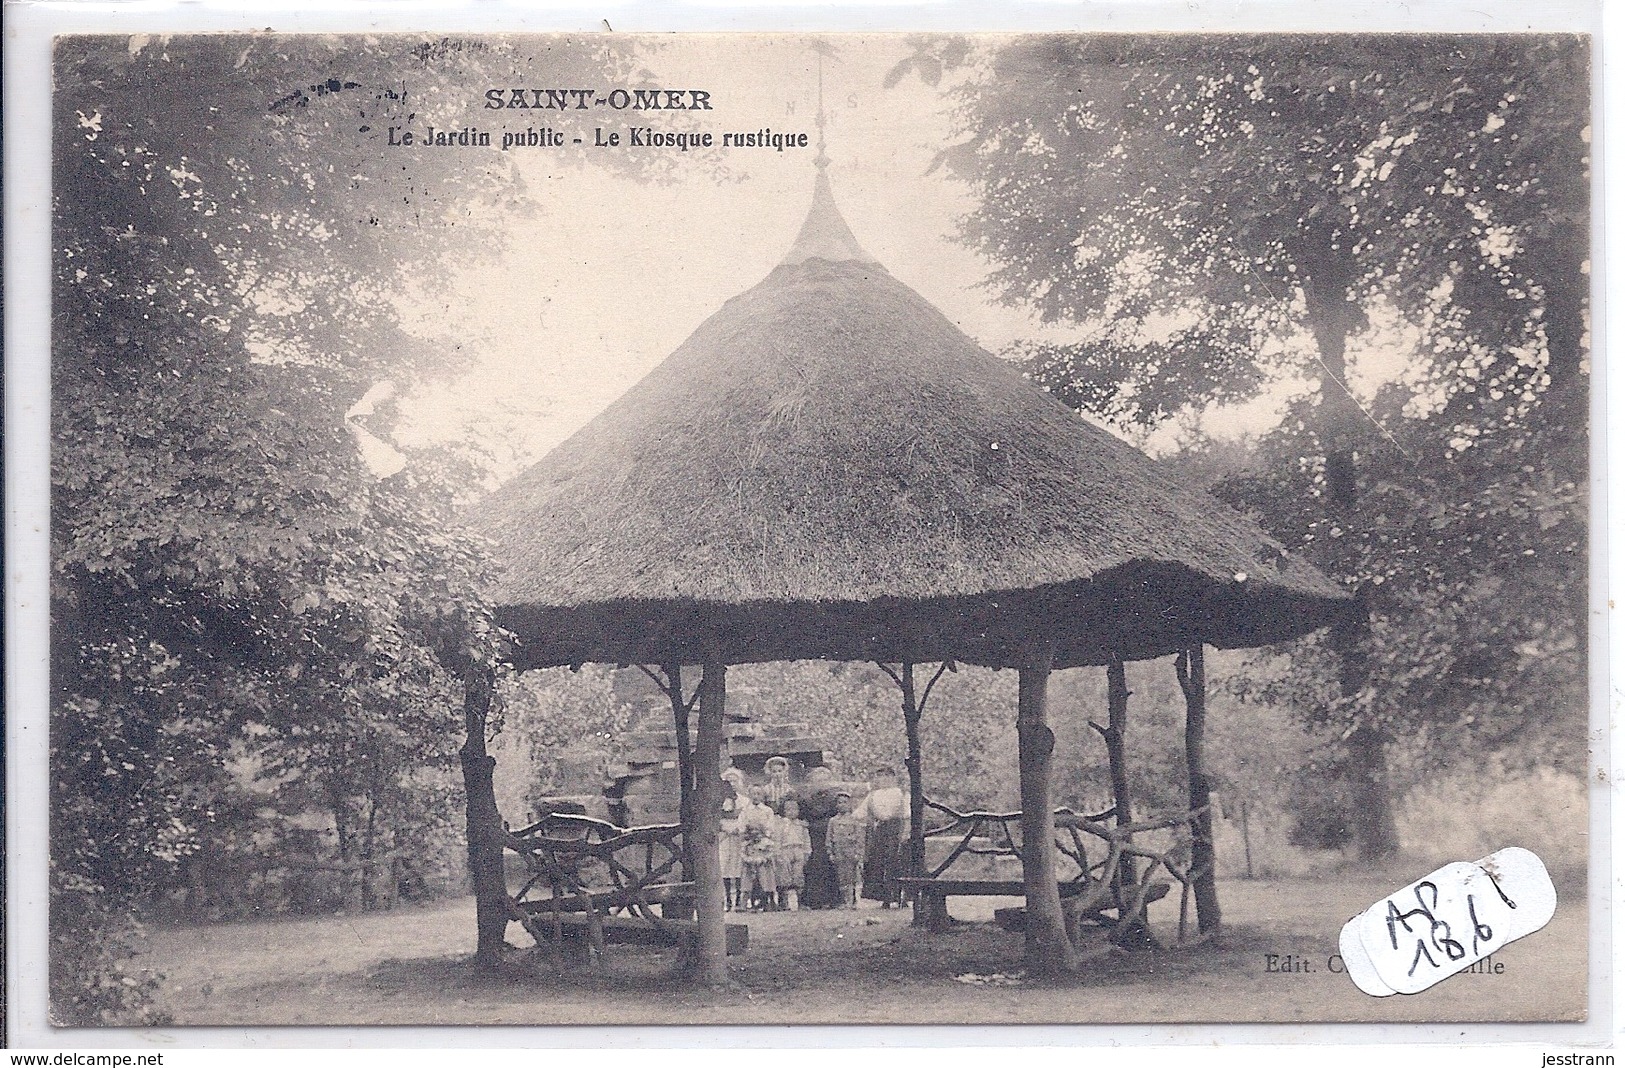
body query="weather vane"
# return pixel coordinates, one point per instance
(821, 160)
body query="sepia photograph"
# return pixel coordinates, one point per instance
(762, 529)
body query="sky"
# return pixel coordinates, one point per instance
(609, 275)
(663, 257)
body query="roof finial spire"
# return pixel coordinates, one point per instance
(824, 235)
(821, 160)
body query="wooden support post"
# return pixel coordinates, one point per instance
(486, 834)
(710, 944)
(929, 910)
(1049, 950)
(685, 761)
(1117, 695)
(1188, 666)
(926, 907)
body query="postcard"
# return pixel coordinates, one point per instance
(1059, 528)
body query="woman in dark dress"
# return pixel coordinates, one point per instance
(885, 812)
(820, 888)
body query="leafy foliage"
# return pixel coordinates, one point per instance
(1221, 221)
(1473, 556)
(1203, 202)
(230, 582)
(558, 717)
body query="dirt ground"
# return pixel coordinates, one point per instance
(411, 967)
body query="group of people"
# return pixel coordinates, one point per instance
(784, 847)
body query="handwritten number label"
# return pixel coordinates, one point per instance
(1448, 921)
(1482, 932)
(1421, 951)
(1438, 929)
(1495, 882)
(1413, 942)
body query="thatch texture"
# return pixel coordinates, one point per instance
(829, 468)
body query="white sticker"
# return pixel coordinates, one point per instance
(1447, 921)
(1358, 964)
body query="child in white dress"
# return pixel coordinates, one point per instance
(731, 836)
(791, 849)
(760, 885)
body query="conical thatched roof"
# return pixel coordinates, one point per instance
(829, 468)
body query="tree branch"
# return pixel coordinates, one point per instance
(665, 686)
(925, 695)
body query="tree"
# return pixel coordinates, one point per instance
(1219, 217)
(229, 255)
(361, 725)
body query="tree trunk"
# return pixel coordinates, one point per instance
(710, 946)
(341, 819)
(485, 830)
(1193, 681)
(1049, 950)
(685, 762)
(369, 897)
(1332, 318)
(1364, 766)
(344, 835)
(1246, 839)
(1371, 814)
(1117, 695)
(1556, 263)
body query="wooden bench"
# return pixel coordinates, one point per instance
(1014, 918)
(1114, 878)
(575, 933)
(564, 900)
(934, 894)
(613, 900)
(935, 889)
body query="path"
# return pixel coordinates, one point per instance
(409, 967)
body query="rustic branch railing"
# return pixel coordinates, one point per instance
(227, 885)
(1124, 878)
(589, 867)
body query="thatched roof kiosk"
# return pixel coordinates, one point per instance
(829, 468)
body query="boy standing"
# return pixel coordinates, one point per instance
(846, 840)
